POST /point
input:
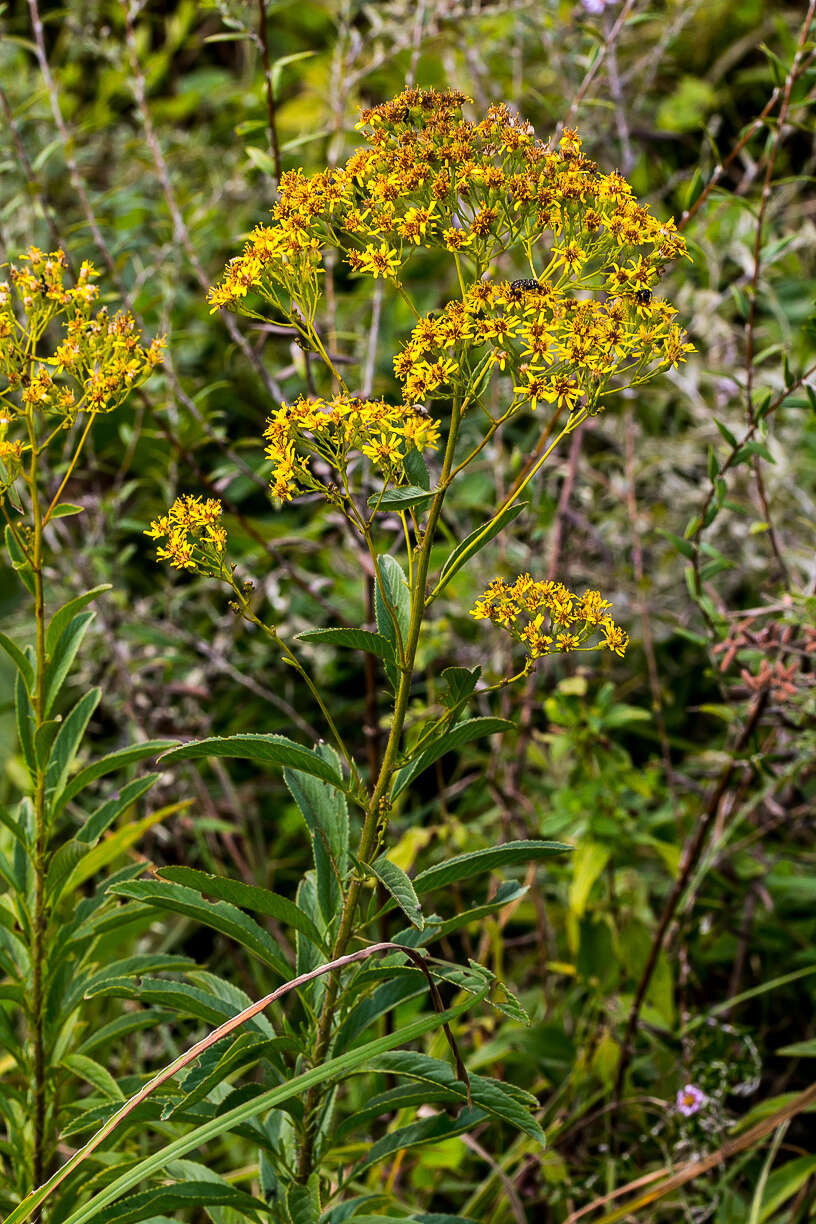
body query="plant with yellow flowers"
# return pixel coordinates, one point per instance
(63, 360)
(554, 267)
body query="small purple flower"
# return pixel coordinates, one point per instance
(690, 1100)
(596, 7)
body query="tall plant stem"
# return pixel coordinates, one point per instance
(376, 810)
(36, 1014)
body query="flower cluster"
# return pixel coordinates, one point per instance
(559, 349)
(546, 617)
(95, 366)
(195, 538)
(336, 428)
(426, 178)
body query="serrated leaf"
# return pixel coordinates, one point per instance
(332, 1070)
(463, 733)
(219, 915)
(477, 862)
(459, 684)
(356, 639)
(246, 896)
(416, 468)
(418, 1134)
(149, 1204)
(326, 815)
(404, 497)
(265, 749)
(395, 880)
(399, 597)
(303, 1202)
(487, 1094)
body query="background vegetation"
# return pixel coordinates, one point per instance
(676, 945)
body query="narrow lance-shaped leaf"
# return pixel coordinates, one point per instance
(475, 542)
(355, 639)
(247, 896)
(265, 749)
(400, 887)
(64, 615)
(477, 862)
(219, 915)
(463, 733)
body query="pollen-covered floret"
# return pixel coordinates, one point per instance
(547, 618)
(194, 536)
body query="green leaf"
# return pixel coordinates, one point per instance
(247, 1050)
(404, 497)
(475, 542)
(24, 715)
(512, 1105)
(24, 665)
(61, 619)
(266, 749)
(103, 817)
(247, 896)
(303, 1202)
(477, 862)
(64, 654)
(726, 433)
(261, 159)
(416, 468)
(150, 1204)
(333, 1069)
(65, 510)
(19, 562)
(799, 1049)
(395, 587)
(219, 915)
(395, 880)
(68, 740)
(93, 1073)
(418, 1134)
(326, 815)
(107, 764)
(784, 1182)
(463, 733)
(459, 684)
(356, 639)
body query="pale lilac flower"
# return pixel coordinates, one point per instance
(596, 7)
(690, 1100)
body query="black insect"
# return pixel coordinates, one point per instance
(527, 286)
(643, 297)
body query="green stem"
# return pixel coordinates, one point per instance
(377, 808)
(38, 925)
(71, 466)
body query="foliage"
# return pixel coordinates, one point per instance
(659, 977)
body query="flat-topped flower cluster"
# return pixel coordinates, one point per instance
(195, 538)
(93, 369)
(335, 428)
(427, 178)
(562, 350)
(546, 617)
